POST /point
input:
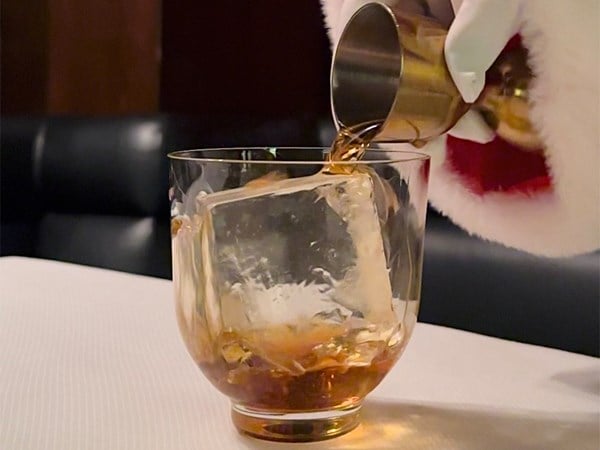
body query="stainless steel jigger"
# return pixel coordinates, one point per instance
(389, 66)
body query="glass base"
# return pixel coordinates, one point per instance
(295, 427)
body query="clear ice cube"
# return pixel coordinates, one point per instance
(293, 249)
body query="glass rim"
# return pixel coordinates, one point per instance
(187, 155)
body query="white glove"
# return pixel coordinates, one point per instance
(476, 37)
(479, 32)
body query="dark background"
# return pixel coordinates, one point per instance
(265, 58)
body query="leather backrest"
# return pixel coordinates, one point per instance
(475, 285)
(131, 244)
(112, 165)
(95, 190)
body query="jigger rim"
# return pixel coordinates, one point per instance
(388, 25)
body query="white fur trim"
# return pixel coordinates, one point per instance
(331, 13)
(562, 38)
(542, 225)
(338, 12)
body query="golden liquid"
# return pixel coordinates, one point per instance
(350, 144)
(286, 368)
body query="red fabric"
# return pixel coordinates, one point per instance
(514, 42)
(425, 171)
(497, 166)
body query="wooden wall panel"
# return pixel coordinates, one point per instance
(234, 57)
(80, 57)
(24, 56)
(104, 56)
(246, 57)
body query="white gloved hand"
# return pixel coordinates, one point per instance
(479, 32)
(477, 35)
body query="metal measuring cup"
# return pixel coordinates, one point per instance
(388, 66)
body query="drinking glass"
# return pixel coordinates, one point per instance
(297, 286)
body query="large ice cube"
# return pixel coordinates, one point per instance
(291, 250)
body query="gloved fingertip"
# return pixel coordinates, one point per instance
(469, 84)
(472, 127)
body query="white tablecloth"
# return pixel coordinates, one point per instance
(92, 359)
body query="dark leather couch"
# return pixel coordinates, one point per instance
(94, 191)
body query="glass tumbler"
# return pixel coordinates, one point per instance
(297, 287)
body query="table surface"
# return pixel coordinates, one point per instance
(92, 359)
